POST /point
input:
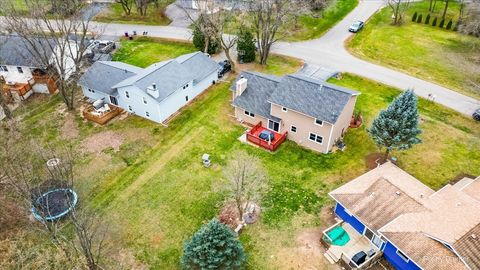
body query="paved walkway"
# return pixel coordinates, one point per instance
(327, 51)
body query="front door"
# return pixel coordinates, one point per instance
(113, 100)
(275, 126)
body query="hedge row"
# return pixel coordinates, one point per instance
(418, 18)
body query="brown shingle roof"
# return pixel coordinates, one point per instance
(423, 250)
(468, 246)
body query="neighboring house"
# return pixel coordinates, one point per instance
(156, 92)
(413, 226)
(25, 74)
(316, 114)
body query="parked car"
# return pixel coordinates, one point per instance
(476, 115)
(224, 67)
(267, 136)
(356, 26)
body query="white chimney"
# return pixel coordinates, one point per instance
(240, 86)
(153, 91)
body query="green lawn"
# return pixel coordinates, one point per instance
(438, 55)
(155, 192)
(155, 16)
(315, 25)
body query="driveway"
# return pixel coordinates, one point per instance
(178, 15)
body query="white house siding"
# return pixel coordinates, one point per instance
(177, 100)
(135, 101)
(16, 77)
(96, 95)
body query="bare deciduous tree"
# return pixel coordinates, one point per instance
(142, 6)
(126, 6)
(269, 17)
(57, 39)
(470, 25)
(26, 173)
(247, 181)
(398, 8)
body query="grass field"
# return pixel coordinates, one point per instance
(315, 25)
(155, 16)
(155, 192)
(438, 55)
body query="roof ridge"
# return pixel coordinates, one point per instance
(265, 76)
(106, 63)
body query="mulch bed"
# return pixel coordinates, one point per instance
(372, 159)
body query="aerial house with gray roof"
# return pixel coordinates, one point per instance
(313, 113)
(156, 92)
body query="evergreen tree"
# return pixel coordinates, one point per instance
(199, 42)
(442, 23)
(434, 23)
(245, 46)
(449, 25)
(397, 126)
(419, 19)
(214, 246)
(414, 17)
(427, 19)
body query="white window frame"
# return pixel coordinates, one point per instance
(284, 109)
(20, 70)
(4, 68)
(315, 122)
(144, 100)
(249, 114)
(316, 136)
(147, 114)
(127, 95)
(130, 108)
(291, 127)
(402, 256)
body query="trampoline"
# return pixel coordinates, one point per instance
(54, 204)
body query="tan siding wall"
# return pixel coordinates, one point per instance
(242, 117)
(343, 121)
(305, 125)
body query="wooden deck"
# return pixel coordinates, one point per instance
(253, 136)
(91, 114)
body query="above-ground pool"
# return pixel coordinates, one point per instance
(54, 204)
(338, 236)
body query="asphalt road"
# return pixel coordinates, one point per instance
(328, 51)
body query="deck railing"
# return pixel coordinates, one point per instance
(103, 118)
(272, 146)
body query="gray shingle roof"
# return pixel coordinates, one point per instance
(255, 97)
(171, 75)
(306, 95)
(102, 76)
(15, 51)
(312, 97)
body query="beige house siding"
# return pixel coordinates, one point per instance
(242, 117)
(343, 121)
(305, 125)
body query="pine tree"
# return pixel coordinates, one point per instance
(214, 246)
(414, 17)
(427, 19)
(199, 42)
(419, 19)
(449, 25)
(245, 46)
(396, 128)
(434, 23)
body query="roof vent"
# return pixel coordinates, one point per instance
(422, 195)
(458, 204)
(372, 194)
(152, 91)
(473, 236)
(398, 193)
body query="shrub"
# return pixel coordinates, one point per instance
(442, 23)
(449, 25)
(414, 17)
(245, 46)
(427, 19)
(434, 23)
(419, 19)
(214, 246)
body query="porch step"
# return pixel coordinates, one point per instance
(329, 259)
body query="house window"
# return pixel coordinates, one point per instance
(249, 114)
(316, 138)
(19, 69)
(4, 68)
(127, 94)
(147, 114)
(144, 100)
(129, 108)
(403, 256)
(91, 90)
(186, 98)
(318, 122)
(284, 109)
(293, 129)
